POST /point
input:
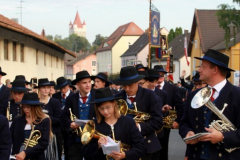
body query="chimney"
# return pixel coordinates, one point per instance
(43, 33)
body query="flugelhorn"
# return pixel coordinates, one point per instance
(8, 114)
(124, 110)
(223, 125)
(78, 131)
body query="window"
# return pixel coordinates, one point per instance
(57, 62)
(22, 52)
(6, 49)
(14, 51)
(94, 63)
(45, 59)
(36, 56)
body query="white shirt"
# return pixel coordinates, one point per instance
(218, 88)
(1, 86)
(128, 100)
(81, 96)
(66, 94)
(161, 84)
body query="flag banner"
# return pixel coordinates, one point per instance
(158, 53)
(185, 50)
(155, 29)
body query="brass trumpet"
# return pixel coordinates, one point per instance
(168, 120)
(139, 116)
(32, 140)
(78, 131)
(8, 115)
(89, 132)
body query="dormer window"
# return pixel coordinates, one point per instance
(105, 44)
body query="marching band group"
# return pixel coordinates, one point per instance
(39, 123)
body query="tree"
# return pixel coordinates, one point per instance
(97, 42)
(228, 15)
(50, 37)
(172, 34)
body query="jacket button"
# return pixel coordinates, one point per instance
(194, 156)
(196, 118)
(220, 154)
(218, 147)
(149, 141)
(195, 148)
(144, 137)
(196, 126)
(202, 146)
(202, 152)
(204, 118)
(205, 112)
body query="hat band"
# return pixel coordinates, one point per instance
(27, 101)
(47, 83)
(104, 99)
(139, 67)
(101, 77)
(63, 83)
(215, 61)
(129, 78)
(19, 88)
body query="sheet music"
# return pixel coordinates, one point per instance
(12, 157)
(195, 136)
(81, 122)
(110, 146)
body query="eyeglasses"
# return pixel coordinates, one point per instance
(141, 83)
(104, 108)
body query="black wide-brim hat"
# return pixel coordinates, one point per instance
(43, 82)
(81, 75)
(153, 73)
(2, 73)
(52, 83)
(22, 77)
(216, 58)
(144, 73)
(30, 99)
(61, 83)
(104, 95)
(160, 68)
(70, 84)
(128, 75)
(18, 86)
(138, 66)
(103, 77)
(196, 77)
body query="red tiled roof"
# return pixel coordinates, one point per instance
(77, 21)
(129, 29)
(208, 28)
(70, 23)
(11, 25)
(84, 23)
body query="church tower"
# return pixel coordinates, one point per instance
(78, 27)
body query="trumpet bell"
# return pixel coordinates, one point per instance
(201, 97)
(88, 132)
(123, 107)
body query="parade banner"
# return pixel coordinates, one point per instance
(155, 29)
(185, 50)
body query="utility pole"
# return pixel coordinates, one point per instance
(21, 10)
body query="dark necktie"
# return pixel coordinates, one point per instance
(84, 99)
(132, 99)
(63, 96)
(213, 91)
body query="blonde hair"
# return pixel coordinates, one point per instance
(100, 117)
(37, 116)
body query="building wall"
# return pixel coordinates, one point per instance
(118, 49)
(125, 61)
(86, 64)
(104, 61)
(53, 69)
(143, 55)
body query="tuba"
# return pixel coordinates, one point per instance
(89, 132)
(224, 124)
(8, 115)
(32, 140)
(124, 110)
(78, 131)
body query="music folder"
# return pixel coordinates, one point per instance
(110, 146)
(81, 122)
(195, 136)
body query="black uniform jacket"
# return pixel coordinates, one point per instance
(73, 103)
(4, 94)
(54, 111)
(193, 121)
(5, 139)
(15, 109)
(174, 99)
(126, 131)
(17, 131)
(59, 96)
(147, 101)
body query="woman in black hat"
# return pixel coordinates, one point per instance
(101, 80)
(52, 89)
(51, 106)
(110, 123)
(32, 118)
(17, 91)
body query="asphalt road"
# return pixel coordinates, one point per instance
(177, 147)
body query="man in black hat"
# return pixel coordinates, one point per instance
(22, 77)
(78, 103)
(146, 101)
(63, 86)
(4, 92)
(213, 71)
(140, 67)
(174, 101)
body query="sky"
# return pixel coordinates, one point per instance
(102, 16)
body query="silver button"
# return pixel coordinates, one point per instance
(205, 112)
(144, 137)
(194, 156)
(195, 148)
(202, 146)
(202, 152)
(80, 105)
(87, 105)
(204, 118)
(220, 154)
(149, 141)
(196, 118)
(196, 126)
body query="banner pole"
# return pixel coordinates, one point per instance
(149, 39)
